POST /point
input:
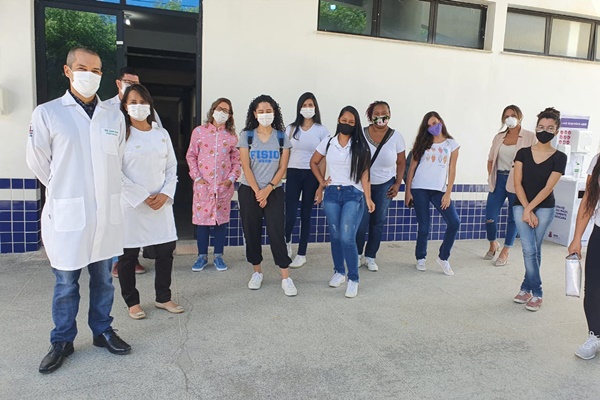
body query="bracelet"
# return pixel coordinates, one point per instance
(271, 183)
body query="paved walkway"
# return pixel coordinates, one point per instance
(408, 334)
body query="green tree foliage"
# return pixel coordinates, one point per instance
(339, 18)
(174, 5)
(66, 29)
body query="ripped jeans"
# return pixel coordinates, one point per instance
(344, 207)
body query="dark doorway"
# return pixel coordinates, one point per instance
(163, 45)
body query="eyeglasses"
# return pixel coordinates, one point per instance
(224, 110)
(549, 129)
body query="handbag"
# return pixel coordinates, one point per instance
(573, 275)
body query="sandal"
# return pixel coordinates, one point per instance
(491, 254)
(137, 315)
(163, 306)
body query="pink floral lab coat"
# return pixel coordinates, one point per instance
(212, 156)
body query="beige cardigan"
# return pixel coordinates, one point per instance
(526, 139)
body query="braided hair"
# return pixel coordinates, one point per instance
(252, 122)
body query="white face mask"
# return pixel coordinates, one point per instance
(124, 87)
(139, 112)
(86, 83)
(511, 122)
(266, 119)
(307, 112)
(220, 117)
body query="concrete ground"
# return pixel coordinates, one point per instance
(408, 334)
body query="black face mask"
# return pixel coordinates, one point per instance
(544, 136)
(345, 129)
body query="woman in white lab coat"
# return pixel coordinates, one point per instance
(149, 181)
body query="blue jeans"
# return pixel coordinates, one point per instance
(421, 200)
(495, 201)
(375, 221)
(65, 302)
(531, 242)
(299, 182)
(202, 236)
(342, 204)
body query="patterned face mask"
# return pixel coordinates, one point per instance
(381, 120)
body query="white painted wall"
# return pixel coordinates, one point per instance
(17, 78)
(273, 46)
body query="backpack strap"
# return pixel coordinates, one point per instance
(328, 144)
(281, 140)
(386, 137)
(250, 137)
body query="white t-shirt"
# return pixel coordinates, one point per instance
(384, 167)
(432, 171)
(339, 160)
(589, 172)
(304, 147)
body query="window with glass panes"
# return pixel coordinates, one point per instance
(428, 21)
(551, 35)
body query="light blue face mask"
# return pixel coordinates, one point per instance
(436, 129)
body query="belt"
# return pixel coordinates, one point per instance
(503, 172)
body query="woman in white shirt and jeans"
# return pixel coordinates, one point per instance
(305, 133)
(386, 173)
(430, 179)
(347, 191)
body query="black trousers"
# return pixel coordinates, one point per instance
(163, 265)
(299, 181)
(591, 300)
(252, 219)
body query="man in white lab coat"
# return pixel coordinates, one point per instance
(127, 77)
(75, 149)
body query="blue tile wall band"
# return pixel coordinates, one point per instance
(20, 220)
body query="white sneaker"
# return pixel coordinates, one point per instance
(289, 249)
(588, 350)
(255, 281)
(352, 289)
(298, 261)
(445, 266)
(337, 279)
(421, 265)
(371, 264)
(361, 260)
(288, 287)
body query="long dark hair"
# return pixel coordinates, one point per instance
(145, 94)
(230, 123)
(299, 118)
(361, 155)
(424, 139)
(592, 190)
(252, 122)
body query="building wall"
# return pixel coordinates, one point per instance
(273, 46)
(269, 46)
(19, 193)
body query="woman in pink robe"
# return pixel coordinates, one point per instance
(214, 163)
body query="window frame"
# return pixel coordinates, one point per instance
(550, 17)
(433, 16)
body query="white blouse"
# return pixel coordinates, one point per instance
(149, 167)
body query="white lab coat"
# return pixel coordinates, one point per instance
(115, 102)
(79, 162)
(149, 167)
